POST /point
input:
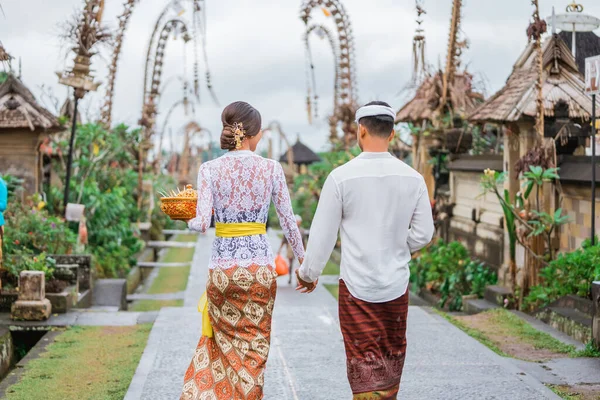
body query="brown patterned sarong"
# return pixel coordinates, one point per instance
(231, 364)
(375, 342)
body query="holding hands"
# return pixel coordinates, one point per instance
(305, 287)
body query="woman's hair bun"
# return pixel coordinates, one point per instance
(239, 113)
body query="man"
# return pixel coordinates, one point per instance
(289, 252)
(382, 209)
(3, 204)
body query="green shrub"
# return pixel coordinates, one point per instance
(105, 181)
(28, 225)
(30, 233)
(24, 259)
(446, 269)
(570, 273)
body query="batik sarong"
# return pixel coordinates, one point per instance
(231, 364)
(375, 342)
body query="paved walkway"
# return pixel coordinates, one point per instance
(307, 355)
(101, 316)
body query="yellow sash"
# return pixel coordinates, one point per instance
(203, 308)
(227, 231)
(240, 229)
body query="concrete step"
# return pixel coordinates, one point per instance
(156, 296)
(171, 245)
(570, 321)
(152, 264)
(496, 294)
(110, 293)
(583, 305)
(415, 300)
(476, 306)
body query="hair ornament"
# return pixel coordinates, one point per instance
(238, 133)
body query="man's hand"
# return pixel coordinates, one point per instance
(303, 286)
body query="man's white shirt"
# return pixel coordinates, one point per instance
(381, 208)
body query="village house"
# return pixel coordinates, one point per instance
(24, 125)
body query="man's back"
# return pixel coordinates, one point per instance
(382, 209)
(384, 215)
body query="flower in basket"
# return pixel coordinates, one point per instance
(180, 205)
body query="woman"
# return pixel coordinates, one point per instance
(241, 288)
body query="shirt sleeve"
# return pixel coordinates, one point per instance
(323, 231)
(421, 225)
(283, 206)
(205, 202)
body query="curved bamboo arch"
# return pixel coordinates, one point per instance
(347, 93)
(336, 81)
(183, 102)
(149, 110)
(124, 18)
(106, 116)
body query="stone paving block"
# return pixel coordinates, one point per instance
(147, 317)
(563, 371)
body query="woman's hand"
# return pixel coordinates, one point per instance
(305, 287)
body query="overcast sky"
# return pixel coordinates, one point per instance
(256, 53)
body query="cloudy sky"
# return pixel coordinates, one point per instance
(256, 53)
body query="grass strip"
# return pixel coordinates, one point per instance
(84, 362)
(510, 324)
(562, 391)
(474, 333)
(169, 280)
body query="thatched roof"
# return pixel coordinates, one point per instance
(517, 99)
(587, 45)
(19, 109)
(424, 104)
(302, 154)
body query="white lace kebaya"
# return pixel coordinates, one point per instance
(240, 186)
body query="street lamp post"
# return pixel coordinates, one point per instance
(86, 36)
(81, 81)
(592, 87)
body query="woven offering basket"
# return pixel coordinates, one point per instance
(181, 206)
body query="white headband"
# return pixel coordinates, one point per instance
(374, 110)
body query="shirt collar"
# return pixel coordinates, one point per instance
(374, 155)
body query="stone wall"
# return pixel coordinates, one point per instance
(577, 204)
(477, 220)
(6, 352)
